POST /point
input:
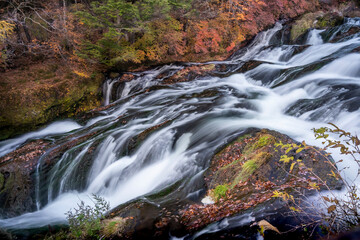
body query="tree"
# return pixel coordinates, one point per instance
(6, 30)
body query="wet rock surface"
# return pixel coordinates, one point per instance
(245, 174)
(17, 178)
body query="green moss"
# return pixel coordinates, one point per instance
(111, 227)
(329, 21)
(250, 166)
(165, 192)
(263, 140)
(239, 139)
(220, 191)
(9, 184)
(314, 20)
(302, 25)
(2, 180)
(48, 101)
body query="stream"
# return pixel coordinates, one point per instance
(292, 89)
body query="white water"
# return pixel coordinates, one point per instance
(314, 37)
(269, 96)
(51, 130)
(107, 91)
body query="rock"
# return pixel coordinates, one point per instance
(341, 35)
(190, 73)
(5, 235)
(16, 178)
(245, 174)
(137, 140)
(318, 20)
(18, 168)
(114, 75)
(116, 227)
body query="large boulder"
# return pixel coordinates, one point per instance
(248, 173)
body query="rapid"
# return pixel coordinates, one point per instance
(292, 89)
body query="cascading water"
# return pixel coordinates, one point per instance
(293, 89)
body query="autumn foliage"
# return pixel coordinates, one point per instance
(123, 34)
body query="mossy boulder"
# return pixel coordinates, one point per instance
(318, 20)
(246, 173)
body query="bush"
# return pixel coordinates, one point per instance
(334, 212)
(85, 221)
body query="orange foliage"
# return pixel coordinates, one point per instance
(207, 39)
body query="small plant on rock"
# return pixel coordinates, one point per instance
(220, 191)
(85, 221)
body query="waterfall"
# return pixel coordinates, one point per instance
(314, 37)
(291, 90)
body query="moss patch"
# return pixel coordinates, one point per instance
(220, 191)
(302, 25)
(318, 20)
(113, 227)
(250, 166)
(44, 92)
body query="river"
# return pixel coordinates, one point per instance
(293, 88)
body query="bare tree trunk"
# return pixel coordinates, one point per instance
(27, 34)
(64, 14)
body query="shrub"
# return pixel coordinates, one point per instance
(333, 212)
(85, 221)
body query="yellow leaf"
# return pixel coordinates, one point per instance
(286, 159)
(299, 150)
(276, 194)
(295, 209)
(314, 185)
(6, 29)
(292, 166)
(288, 150)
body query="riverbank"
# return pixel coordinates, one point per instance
(36, 88)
